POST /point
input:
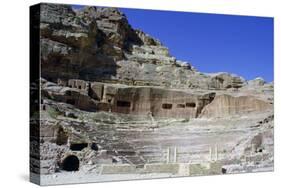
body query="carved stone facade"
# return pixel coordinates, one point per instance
(136, 100)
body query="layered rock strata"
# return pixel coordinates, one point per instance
(99, 44)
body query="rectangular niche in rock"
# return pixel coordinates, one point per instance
(112, 102)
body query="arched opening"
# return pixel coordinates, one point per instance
(70, 163)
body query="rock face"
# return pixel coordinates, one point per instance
(257, 82)
(226, 80)
(141, 100)
(113, 94)
(99, 44)
(226, 105)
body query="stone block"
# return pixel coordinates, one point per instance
(118, 169)
(172, 168)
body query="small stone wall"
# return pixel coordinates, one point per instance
(182, 169)
(172, 168)
(118, 169)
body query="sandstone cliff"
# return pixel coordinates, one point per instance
(98, 44)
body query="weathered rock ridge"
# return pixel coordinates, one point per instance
(98, 44)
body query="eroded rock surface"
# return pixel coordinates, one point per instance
(226, 105)
(99, 44)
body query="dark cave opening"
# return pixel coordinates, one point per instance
(70, 163)
(78, 146)
(123, 104)
(94, 146)
(70, 101)
(259, 150)
(167, 106)
(190, 104)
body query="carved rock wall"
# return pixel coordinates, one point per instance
(226, 105)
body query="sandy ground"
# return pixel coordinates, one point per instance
(91, 177)
(82, 177)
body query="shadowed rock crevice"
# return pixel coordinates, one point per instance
(78, 146)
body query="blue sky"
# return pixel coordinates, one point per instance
(242, 45)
